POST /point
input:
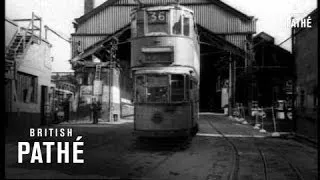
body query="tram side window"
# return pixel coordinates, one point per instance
(187, 86)
(186, 26)
(133, 25)
(157, 90)
(177, 87)
(140, 89)
(140, 23)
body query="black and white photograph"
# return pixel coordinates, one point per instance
(161, 89)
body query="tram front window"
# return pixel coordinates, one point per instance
(158, 22)
(177, 22)
(157, 94)
(157, 90)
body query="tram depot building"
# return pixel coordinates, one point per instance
(226, 47)
(224, 32)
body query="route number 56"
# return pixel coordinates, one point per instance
(157, 16)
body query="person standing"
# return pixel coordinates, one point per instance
(95, 108)
(66, 109)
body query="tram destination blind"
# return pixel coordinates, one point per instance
(156, 17)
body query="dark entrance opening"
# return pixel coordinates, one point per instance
(213, 70)
(43, 104)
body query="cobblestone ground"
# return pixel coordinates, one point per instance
(222, 149)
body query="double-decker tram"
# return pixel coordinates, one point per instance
(165, 67)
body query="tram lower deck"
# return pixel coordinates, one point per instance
(166, 102)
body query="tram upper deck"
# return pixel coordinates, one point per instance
(164, 36)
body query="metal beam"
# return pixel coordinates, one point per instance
(99, 45)
(37, 19)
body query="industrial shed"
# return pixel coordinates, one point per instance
(306, 59)
(225, 34)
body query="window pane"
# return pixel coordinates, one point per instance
(177, 20)
(140, 89)
(27, 88)
(177, 87)
(157, 94)
(140, 23)
(187, 86)
(133, 25)
(186, 26)
(161, 28)
(157, 80)
(140, 29)
(158, 57)
(157, 90)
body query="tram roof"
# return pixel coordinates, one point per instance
(167, 7)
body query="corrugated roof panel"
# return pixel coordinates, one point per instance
(212, 17)
(219, 21)
(238, 40)
(160, 2)
(108, 21)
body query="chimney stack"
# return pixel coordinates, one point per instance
(88, 5)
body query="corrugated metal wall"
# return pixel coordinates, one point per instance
(107, 21)
(219, 21)
(238, 40)
(160, 2)
(85, 42)
(210, 16)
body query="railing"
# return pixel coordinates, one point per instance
(28, 31)
(271, 119)
(25, 32)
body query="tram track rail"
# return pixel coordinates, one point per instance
(170, 149)
(264, 160)
(166, 147)
(233, 175)
(296, 170)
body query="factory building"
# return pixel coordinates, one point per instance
(27, 74)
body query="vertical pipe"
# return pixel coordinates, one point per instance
(230, 86)
(40, 29)
(234, 83)
(110, 69)
(294, 93)
(32, 20)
